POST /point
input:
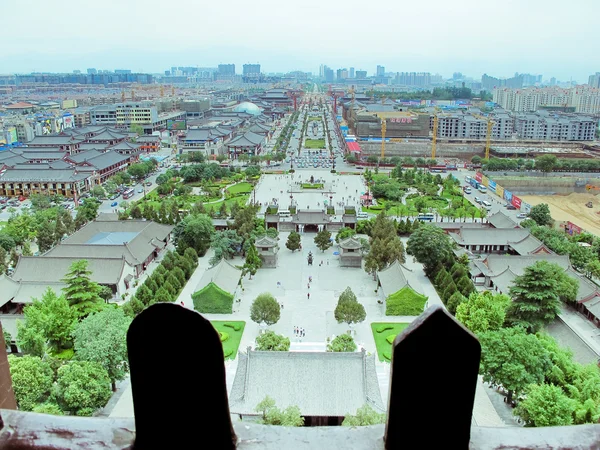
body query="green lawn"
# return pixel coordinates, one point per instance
(314, 143)
(240, 188)
(230, 346)
(240, 200)
(384, 348)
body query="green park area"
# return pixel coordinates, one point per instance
(231, 336)
(384, 335)
(240, 188)
(314, 143)
(315, 118)
(312, 185)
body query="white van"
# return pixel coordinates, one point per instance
(482, 188)
(362, 215)
(284, 213)
(487, 205)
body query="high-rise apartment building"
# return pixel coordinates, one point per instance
(361, 74)
(594, 80)
(251, 70)
(227, 69)
(380, 71)
(92, 71)
(322, 71)
(351, 72)
(328, 73)
(413, 78)
(583, 99)
(490, 83)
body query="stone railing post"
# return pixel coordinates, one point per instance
(177, 371)
(433, 377)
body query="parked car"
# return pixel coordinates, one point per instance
(509, 206)
(148, 183)
(477, 200)
(522, 216)
(140, 190)
(113, 204)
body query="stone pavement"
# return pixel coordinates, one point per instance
(586, 330)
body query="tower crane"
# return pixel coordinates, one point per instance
(383, 130)
(488, 138)
(162, 90)
(434, 137)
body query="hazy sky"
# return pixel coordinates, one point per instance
(470, 36)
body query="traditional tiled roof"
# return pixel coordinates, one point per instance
(396, 277)
(248, 139)
(54, 175)
(310, 217)
(266, 241)
(319, 383)
(520, 239)
(8, 289)
(224, 275)
(126, 146)
(501, 220)
(107, 136)
(78, 158)
(52, 269)
(350, 243)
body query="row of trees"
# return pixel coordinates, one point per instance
(544, 163)
(165, 283)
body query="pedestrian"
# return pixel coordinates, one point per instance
(303, 333)
(308, 296)
(182, 304)
(295, 330)
(282, 306)
(308, 286)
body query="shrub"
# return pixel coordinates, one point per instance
(405, 302)
(223, 336)
(332, 170)
(391, 338)
(64, 355)
(387, 355)
(227, 352)
(211, 299)
(382, 328)
(235, 326)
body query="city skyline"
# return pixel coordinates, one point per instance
(414, 37)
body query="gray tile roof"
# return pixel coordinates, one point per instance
(147, 138)
(248, 139)
(459, 225)
(31, 174)
(224, 275)
(501, 220)
(310, 217)
(43, 155)
(528, 245)
(52, 269)
(82, 251)
(350, 243)
(518, 238)
(108, 159)
(266, 241)
(30, 290)
(395, 277)
(197, 135)
(8, 289)
(124, 145)
(320, 384)
(89, 146)
(54, 140)
(107, 136)
(84, 156)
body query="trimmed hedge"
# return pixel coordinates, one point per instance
(387, 355)
(211, 299)
(382, 328)
(391, 338)
(405, 302)
(312, 186)
(227, 352)
(235, 326)
(223, 336)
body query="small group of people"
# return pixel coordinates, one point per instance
(299, 332)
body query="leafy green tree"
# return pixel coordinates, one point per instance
(535, 295)
(191, 255)
(546, 405)
(385, 246)
(253, 261)
(101, 338)
(32, 380)
(342, 343)
(271, 415)
(48, 408)
(269, 341)
(194, 231)
(546, 163)
(483, 311)
(514, 359)
(98, 192)
(293, 242)
(39, 201)
(454, 301)
(82, 387)
(45, 236)
(265, 309)
(348, 309)
(162, 179)
(67, 220)
(136, 212)
(144, 294)
(540, 214)
(430, 246)
(226, 244)
(323, 240)
(465, 286)
(244, 222)
(133, 307)
(365, 415)
(49, 322)
(59, 230)
(81, 292)
(7, 242)
(344, 233)
(88, 210)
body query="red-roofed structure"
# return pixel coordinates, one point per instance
(20, 105)
(353, 147)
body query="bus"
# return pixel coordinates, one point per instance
(128, 193)
(425, 217)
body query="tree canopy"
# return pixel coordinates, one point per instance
(32, 380)
(540, 214)
(365, 415)
(514, 359)
(81, 292)
(536, 296)
(265, 309)
(293, 241)
(271, 415)
(323, 240)
(194, 231)
(430, 246)
(348, 309)
(546, 405)
(483, 311)
(82, 387)
(101, 338)
(269, 341)
(342, 343)
(385, 245)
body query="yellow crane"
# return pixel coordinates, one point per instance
(434, 137)
(383, 130)
(162, 90)
(488, 138)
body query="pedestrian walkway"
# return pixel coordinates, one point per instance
(586, 330)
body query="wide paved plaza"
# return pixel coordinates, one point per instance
(286, 190)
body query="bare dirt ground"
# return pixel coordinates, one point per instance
(571, 208)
